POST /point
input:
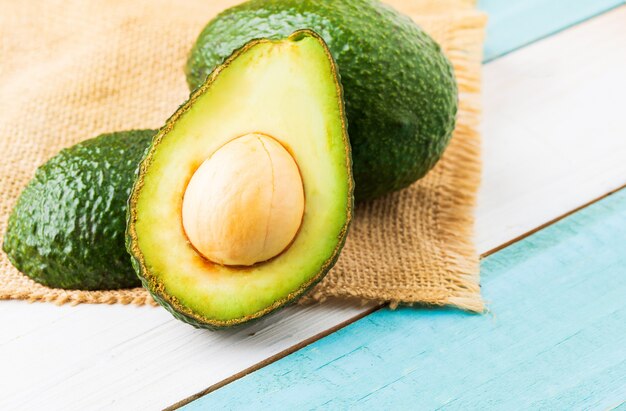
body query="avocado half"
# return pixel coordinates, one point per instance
(400, 90)
(67, 228)
(285, 93)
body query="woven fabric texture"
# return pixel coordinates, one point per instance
(72, 70)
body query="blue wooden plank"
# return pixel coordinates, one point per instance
(554, 339)
(621, 407)
(513, 24)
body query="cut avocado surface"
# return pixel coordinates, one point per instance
(400, 90)
(243, 201)
(67, 228)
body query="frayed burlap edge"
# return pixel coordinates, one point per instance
(37, 293)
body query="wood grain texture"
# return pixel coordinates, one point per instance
(620, 407)
(127, 357)
(554, 338)
(554, 131)
(514, 24)
(140, 358)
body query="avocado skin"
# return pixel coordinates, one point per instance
(188, 319)
(196, 323)
(68, 226)
(399, 88)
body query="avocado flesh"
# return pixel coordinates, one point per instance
(400, 91)
(67, 228)
(287, 89)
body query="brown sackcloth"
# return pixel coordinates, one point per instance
(71, 70)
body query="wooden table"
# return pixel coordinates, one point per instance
(551, 223)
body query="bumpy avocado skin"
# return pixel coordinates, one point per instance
(67, 229)
(399, 89)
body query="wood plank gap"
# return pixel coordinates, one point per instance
(489, 56)
(549, 223)
(274, 358)
(620, 407)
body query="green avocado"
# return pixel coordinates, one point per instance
(400, 90)
(243, 201)
(67, 228)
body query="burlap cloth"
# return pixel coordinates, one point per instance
(73, 69)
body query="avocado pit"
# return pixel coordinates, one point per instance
(245, 203)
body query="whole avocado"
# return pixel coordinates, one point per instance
(399, 88)
(67, 229)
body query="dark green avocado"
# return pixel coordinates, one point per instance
(67, 228)
(399, 88)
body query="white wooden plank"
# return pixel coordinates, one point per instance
(554, 131)
(552, 142)
(134, 357)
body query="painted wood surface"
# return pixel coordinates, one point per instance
(554, 338)
(554, 133)
(514, 24)
(120, 357)
(133, 358)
